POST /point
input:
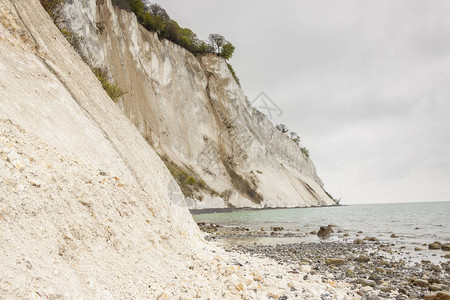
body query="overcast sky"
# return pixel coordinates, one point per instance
(366, 84)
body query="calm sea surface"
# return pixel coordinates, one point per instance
(414, 223)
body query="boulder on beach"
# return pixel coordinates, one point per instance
(437, 287)
(350, 273)
(324, 232)
(362, 258)
(367, 282)
(434, 246)
(274, 228)
(420, 282)
(371, 239)
(445, 247)
(334, 261)
(442, 296)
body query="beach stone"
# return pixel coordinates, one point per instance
(434, 246)
(447, 256)
(380, 270)
(367, 282)
(394, 236)
(371, 239)
(430, 297)
(257, 277)
(350, 273)
(274, 228)
(332, 225)
(442, 296)
(334, 261)
(420, 282)
(362, 258)
(417, 249)
(358, 242)
(305, 268)
(313, 232)
(386, 289)
(437, 287)
(324, 232)
(445, 247)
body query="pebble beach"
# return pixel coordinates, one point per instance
(370, 269)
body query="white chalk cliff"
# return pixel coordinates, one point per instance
(194, 114)
(88, 210)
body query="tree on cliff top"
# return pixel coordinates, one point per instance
(227, 50)
(156, 10)
(221, 46)
(217, 41)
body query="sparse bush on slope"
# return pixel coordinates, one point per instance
(230, 67)
(54, 9)
(189, 181)
(111, 88)
(243, 186)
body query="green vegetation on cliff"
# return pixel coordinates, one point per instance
(54, 9)
(294, 137)
(156, 19)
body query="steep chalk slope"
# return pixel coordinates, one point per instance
(195, 115)
(68, 232)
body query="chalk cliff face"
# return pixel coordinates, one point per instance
(194, 114)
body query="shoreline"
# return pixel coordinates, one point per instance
(370, 268)
(237, 209)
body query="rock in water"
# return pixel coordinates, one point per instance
(324, 232)
(445, 247)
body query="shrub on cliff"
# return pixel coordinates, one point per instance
(189, 181)
(55, 10)
(227, 50)
(242, 185)
(124, 4)
(283, 128)
(111, 88)
(305, 152)
(230, 67)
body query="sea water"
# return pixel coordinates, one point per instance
(415, 224)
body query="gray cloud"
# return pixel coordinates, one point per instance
(364, 83)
